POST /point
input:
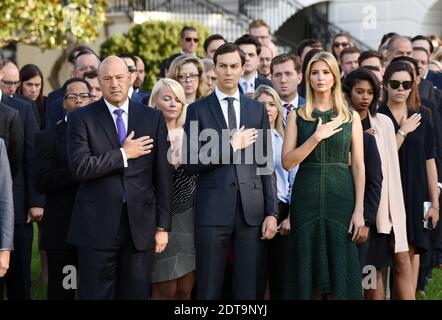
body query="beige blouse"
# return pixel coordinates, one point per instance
(391, 212)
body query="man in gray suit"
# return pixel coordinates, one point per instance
(6, 211)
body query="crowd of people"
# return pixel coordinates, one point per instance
(244, 174)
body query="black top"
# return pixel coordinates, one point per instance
(418, 147)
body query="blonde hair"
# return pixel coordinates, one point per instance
(339, 105)
(177, 90)
(263, 89)
(179, 62)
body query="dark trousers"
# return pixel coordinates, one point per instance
(211, 245)
(279, 248)
(18, 277)
(57, 261)
(120, 272)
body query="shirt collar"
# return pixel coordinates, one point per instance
(221, 95)
(294, 102)
(112, 108)
(1, 94)
(130, 92)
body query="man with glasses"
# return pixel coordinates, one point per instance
(261, 31)
(53, 179)
(91, 77)
(189, 44)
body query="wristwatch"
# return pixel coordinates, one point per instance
(402, 133)
(161, 229)
(274, 214)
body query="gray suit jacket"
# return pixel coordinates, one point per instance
(6, 201)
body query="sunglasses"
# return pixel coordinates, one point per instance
(190, 39)
(394, 84)
(340, 44)
(132, 69)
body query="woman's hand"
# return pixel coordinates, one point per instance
(324, 131)
(410, 124)
(356, 224)
(285, 227)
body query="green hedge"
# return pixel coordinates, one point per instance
(153, 41)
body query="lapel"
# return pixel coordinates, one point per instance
(244, 110)
(133, 116)
(217, 112)
(107, 123)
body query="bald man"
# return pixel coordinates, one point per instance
(117, 149)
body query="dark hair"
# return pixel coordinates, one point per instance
(372, 68)
(82, 53)
(307, 58)
(29, 71)
(72, 55)
(286, 57)
(422, 49)
(421, 37)
(370, 54)
(128, 55)
(73, 80)
(249, 39)
(387, 36)
(397, 66)
(229, 47)
(409, 60)
(211, 38)
(187, 28)
(361, 74)
(313, 43)
(348, 50)
(91, 74)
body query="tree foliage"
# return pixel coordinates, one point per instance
(51, 23)
(153, 41)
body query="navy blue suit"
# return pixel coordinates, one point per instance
(435, 78)
(232, 200)
(54, 109)
(260, 80)
(141, 96)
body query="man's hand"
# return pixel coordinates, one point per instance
(285, 227)
(135, 148)
(269, 228)
(35, 214)
(161, 240)
(4, 261)
(243, 138)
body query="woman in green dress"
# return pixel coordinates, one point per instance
(326, 212)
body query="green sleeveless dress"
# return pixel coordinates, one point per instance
(323, 258)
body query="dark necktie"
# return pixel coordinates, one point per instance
(289, 107)
(231, 113)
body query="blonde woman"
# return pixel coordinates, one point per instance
(188, 70)
(173, 273)
(326, 212)
(278, 248)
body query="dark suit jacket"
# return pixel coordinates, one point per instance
(435, 78)
(11, 132)
(25, 194)
(6, 202)
(373, 178)
(165, 64)
(54, 109)
(141, 96)
(53, 178)
(96, 161)
(260, 80)
(220, 180)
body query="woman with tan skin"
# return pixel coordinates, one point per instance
(173, 274)
(188, 70)
(416, 149)
(339, 43)
(387, 245)
(326, 212)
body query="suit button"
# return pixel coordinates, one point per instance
(233, 184)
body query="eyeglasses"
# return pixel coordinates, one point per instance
(74, 97)
(190, 39)
(340, 44)
(394, 84)
(185, 77)
(132, 69)
(11, 83)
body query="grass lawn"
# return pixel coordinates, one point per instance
(432, 292)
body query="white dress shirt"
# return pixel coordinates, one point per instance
(248, 86)
(125, 116)
(225, 104)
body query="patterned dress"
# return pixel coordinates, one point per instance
(324, 259)
(178, 259)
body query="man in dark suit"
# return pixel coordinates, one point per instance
(425, 43)
(144, 95)
(28, 207)
(251, 79)
(6, 211)
(53, 179)
(131, 61)
(122, 209)
(235, 202)
(11, 132)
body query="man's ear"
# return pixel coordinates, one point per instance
(300, 77)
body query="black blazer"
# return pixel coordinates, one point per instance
(96, 161)
(25, 194)
(53, 178)
(373, 178)
(435, 78)
(260, 80)
(219, 181)
(11, 132)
